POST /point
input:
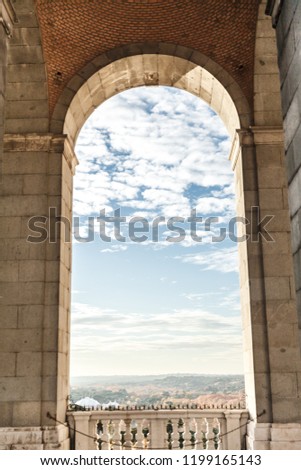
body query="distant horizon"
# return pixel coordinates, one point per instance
(150, 375)
(159, 390)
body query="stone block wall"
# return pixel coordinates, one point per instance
(289, 49)
(3, 59)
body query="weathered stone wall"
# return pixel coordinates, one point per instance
(3, 61)
(26, 93)
(34, 299)
(2, 87)
(289, 47)
(34, 281)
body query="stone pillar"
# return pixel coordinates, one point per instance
(270, 328)
(82, 429)
(35, 283)
(233, 429)
(286, 19)
(158, 435)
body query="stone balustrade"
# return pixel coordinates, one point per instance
(173, 429)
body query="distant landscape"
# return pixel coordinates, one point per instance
(162, 390)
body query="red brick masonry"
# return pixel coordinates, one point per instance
(74, 32)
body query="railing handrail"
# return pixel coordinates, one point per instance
(153, 414)
(203, 407)
(225, 427)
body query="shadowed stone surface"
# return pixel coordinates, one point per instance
(289, 48)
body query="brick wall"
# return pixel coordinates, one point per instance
(75, 32)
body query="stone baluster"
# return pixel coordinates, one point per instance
(145, 431)
(171, 435)
(114, 435)
(193, 429)
(98, 431)
(122, 429)
(127, 427)
(211, 435)
(119, 434)
(139, 437)
(186, 444)
(179, 434)
(105, 437)
(93, 432)
(202, 435)
(216, 430)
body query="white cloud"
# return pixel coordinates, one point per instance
(187, 329)
(114, 249)
(223, 299)
(224, 260)
(142, 150)
(157, 152)
(213, 206)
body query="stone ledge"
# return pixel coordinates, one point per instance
(286, 432)
(35, 438)
(265, 135)
(34, 142)
(271, 436)
(40, 142)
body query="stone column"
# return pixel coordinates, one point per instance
(270, 328)
(158, 435)
(35, 271)
(286, 20)
(233, 429)
(82, 429)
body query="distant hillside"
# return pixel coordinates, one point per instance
(114, 379)
(158, 390)
(222, 382)
(205, 383)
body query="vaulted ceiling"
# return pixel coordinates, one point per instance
(74, 32)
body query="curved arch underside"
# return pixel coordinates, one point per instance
(153, 70)
(233, 41)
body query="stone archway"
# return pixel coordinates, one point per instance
(265, 268)
(38, 167)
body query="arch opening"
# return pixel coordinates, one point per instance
(157, 152)
(153, 70)
(248, 144)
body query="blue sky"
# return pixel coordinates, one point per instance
(155, 307)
